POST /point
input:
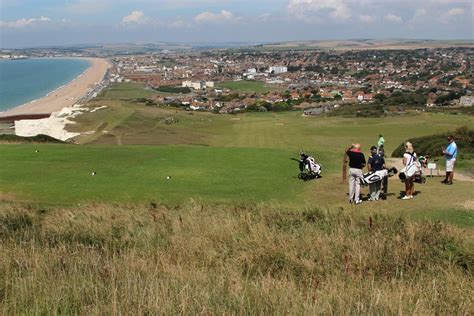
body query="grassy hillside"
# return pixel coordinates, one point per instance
(245, 259)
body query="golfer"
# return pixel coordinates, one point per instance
(375, 163)
(380, 143)
(409, 157)
(450, 153)
(356, 164)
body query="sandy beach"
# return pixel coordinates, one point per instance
(66, 95)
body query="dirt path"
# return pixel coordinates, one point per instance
(397, 163)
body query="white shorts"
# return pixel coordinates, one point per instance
(450, 165)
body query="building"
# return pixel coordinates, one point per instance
(278, 69)
(209, 84)
(198, 85)
(315, 111)
(467, 100)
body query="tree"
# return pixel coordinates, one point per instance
(380, 97)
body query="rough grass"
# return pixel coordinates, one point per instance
(10, 138)
(245, 259)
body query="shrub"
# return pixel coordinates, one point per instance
(432, 145)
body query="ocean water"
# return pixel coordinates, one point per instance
(25, 80)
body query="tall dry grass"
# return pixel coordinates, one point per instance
(248, 259)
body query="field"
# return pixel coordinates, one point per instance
(247, 86)
(233, 231)
(129, 90)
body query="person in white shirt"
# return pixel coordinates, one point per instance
(409, 157)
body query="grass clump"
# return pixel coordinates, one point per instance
(246, 259)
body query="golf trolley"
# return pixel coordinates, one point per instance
(309, 168)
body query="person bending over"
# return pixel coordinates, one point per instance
(375, 163)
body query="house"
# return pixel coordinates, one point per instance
(294, 95)
(328, 95)
(364, 97)
(466, 100)
(368, 97)
(347, 95)
(431, 99)
(278, 69)
(314, 111)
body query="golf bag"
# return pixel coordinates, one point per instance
(376, 176)
(414, 169)
(309, 168)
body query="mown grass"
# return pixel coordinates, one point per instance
(126, 91)
(241, 259)
(63, 174)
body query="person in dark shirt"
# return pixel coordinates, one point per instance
(356, 164)
(376, 162)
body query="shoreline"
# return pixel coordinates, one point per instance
(65, 95)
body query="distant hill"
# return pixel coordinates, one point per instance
(365, 44)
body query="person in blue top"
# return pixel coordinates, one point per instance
(450, 153)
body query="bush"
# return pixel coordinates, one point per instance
(171, 89)
(431, 145)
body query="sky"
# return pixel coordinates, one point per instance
(31, 23)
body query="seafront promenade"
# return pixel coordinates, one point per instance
(64, 96)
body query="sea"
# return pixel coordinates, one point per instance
(25, 80)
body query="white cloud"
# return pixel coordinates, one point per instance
(367, 18)
(265, 17)
(455, 11)
(419, 14)
(21, 23)
(135, 17)
(179, 23)
(316, 10)
(210, 17)
(393, 18)
(452, 14)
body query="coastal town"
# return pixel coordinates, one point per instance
(370, 83)
(224, 82)
(229, 81)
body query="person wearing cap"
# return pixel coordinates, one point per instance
(450, 154)
(376, 162)
(356, 164)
